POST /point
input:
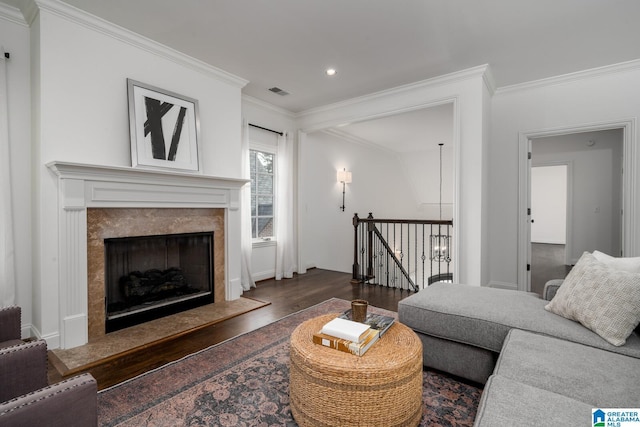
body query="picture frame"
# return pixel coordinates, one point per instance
(165, 129)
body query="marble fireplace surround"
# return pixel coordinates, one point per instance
(107, 223)
(88, 192)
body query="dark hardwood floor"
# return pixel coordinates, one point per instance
(286, 297)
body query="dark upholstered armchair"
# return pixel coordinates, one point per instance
(10, 326)
(26, 399)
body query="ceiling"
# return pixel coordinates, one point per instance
(379, 44)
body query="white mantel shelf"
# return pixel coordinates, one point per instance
(91, 172)
(82, 186)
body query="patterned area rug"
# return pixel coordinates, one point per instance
(245, 382)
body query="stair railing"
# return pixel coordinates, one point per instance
(402, 253)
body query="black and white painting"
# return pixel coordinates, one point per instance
(164, 129)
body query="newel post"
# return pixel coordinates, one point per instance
(356, 266)
(370, 227)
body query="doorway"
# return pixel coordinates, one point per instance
(549, 201)
(597, 192)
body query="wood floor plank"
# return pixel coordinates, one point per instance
(286, 297)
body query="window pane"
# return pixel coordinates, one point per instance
(252, 163)
(262, 193)
(265, 227)
(265, 184)
(265, 205)
(264, 162)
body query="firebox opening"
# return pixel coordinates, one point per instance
(148, 277)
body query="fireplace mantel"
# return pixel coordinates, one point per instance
(82, 186)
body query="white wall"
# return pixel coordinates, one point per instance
(549, 204)
(377, 187)
(422, 170)
(601, 96)
(14, 37)
(82, 115)
(596, 187)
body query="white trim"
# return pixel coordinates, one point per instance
(630, 243)
(12, 14)
(399, 90)
(263, 243)
(109, 29)
(359, 141)
(571, 77)
(260, 103)
(264, 275)
(82, 186)
(457, 170)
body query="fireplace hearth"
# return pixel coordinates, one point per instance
(147, 277)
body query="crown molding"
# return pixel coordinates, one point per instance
(12, 14)
(479, 71)
(489, 81)
(572, 77)
(267, 106)
(29, 11)
(356, 140)
(109, 29)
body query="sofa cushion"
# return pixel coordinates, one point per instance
(631, 265)
(506, 402)
(605, 300)
(596, 377)
(482, 317)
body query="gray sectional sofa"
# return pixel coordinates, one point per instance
(537, 367)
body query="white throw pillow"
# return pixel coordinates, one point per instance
(632, 265)
(605, 300)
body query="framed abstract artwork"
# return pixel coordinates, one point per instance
(165, 129)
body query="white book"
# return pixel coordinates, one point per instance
(346, 329)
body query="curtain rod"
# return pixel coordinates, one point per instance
(268, 130)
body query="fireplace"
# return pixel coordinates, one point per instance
(147, 277)
(96, 203)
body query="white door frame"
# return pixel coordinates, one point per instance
(629, 190)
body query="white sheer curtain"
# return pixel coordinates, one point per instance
(246, 244)
(285, 236)
(7, 254)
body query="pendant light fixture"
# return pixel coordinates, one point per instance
(439, 241)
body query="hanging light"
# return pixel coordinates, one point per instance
(440, 242)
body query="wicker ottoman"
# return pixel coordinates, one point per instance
(332, 388)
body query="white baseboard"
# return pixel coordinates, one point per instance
(264, 275)
(53, 340)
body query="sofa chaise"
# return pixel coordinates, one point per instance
(536, 365)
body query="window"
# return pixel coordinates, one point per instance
(262, 166)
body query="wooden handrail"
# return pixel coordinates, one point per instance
(373, 254)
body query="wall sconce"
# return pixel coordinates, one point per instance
(345, 178)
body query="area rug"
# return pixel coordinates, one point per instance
(245, 382)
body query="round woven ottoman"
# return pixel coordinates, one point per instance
(332, 388)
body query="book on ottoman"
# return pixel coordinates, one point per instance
(345, 329)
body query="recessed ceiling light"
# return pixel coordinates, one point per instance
(331, 71)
